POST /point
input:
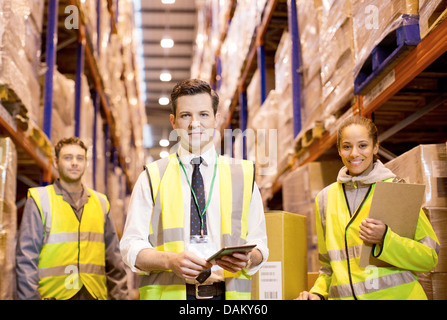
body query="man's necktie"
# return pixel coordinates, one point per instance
(199, 191)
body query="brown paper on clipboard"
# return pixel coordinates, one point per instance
(398, 206)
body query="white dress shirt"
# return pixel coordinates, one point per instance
(136, 230)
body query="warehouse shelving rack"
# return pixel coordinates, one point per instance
(430, 49)
(35, 159)
(396, 108)
(85, 55)
(256, 56)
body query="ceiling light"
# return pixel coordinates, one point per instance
(167, 43)
(165, 76)
(164, 101)
(164, 154)
(164, 142)
(167, 1)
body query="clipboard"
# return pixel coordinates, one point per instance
(398, 206)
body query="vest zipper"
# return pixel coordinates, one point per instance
(346, 234)
(79, 248)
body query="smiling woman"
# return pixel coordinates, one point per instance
(357, 144)
(342, 210)
(357, 149)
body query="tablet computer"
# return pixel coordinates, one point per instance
(226, 251)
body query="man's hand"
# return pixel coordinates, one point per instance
(187, 264)
(235, 262)
(307, 296)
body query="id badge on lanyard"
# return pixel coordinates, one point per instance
(202, 246)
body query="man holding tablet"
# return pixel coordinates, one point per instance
(188, 206)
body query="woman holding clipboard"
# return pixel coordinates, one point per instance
(343, 225)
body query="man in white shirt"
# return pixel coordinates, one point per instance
(171, 265)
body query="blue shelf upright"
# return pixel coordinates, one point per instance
(50, 56)
(80, 55)
(243, 119)
(296, 75)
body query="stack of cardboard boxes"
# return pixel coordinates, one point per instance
(300, 189)
(20, 48)
(427, 164)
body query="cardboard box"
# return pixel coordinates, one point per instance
(311, 278)
(425, 164)
(301, 187)
(438, 220)
(434, 284)
(284, 275)
(303, 184)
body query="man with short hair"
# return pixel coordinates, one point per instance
(67, 245)
(185, 207)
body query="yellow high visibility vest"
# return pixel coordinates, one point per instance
(73, 251)
(339, 244)
(166, 231)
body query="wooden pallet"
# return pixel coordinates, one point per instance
(435, 18)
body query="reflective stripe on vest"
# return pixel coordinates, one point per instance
(166, 230)
(73, 251)
(348, 280)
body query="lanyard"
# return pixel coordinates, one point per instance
(194, 194)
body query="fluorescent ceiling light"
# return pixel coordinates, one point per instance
(167, 43)
(167, 1)
(164, 142)
(164, 154)
(165, 76)
(164, 101)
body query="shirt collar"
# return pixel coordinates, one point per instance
(209, 156)
(59, 189)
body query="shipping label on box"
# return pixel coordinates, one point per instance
(270, 281)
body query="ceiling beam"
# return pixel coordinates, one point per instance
(178, 42)
(155, 10)
(164, 27)
(175, 56)
(159, 68)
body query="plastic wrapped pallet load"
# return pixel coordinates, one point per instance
(438, 219)
(384, 31)
(283, 88)
(425, 164)
(236, 46)
(265, 125)
(309, 13)
(8, 217)
(62, 114)
(19, 58)
(337, 56)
